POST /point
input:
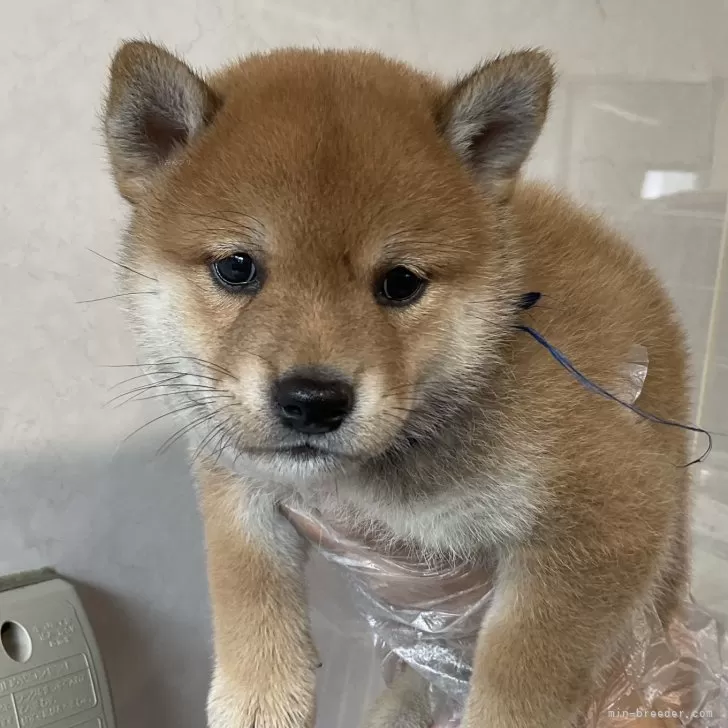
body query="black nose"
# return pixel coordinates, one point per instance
(313, 405)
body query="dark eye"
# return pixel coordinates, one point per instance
(236, 272)
(400, 286)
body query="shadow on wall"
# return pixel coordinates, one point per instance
(125, 530)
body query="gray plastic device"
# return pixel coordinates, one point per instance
(50, 667)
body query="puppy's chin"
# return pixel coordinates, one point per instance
(299, 466)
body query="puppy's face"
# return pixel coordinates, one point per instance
(328, 239)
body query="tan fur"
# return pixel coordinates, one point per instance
(261, 628)
(467, 437)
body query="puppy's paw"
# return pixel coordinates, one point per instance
(286, 705)
(404, 705)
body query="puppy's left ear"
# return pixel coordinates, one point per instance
(493, 116)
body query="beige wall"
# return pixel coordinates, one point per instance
(642, 86)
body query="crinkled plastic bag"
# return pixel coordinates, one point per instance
(427, 616)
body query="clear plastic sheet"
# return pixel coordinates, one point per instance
(427, 616)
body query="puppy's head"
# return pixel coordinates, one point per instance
(333, 269)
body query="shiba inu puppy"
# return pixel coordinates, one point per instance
(334, 251)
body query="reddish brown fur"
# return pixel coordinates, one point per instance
(372, 189)
(330, 168)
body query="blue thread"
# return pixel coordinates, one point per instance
(564, 361)
(529, 300)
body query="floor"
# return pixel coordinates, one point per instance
(638, 129)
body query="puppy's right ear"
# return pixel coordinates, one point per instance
(155, 106)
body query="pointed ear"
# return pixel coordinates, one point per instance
(155, 106)
(493, 116)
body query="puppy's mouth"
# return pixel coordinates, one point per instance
(306, 452)
(300, 452)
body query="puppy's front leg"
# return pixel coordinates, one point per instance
(264, 656)
(404, 704)
(558, 613)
